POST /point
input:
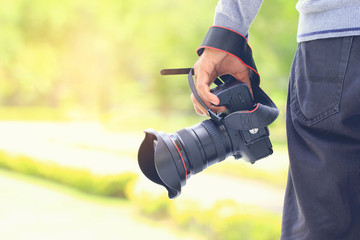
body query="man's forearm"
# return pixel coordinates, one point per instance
(236, 14)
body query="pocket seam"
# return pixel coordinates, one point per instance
(331, 110)
(334, 108)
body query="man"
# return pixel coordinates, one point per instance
(322, 199)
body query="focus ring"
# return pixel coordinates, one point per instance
(215, 136)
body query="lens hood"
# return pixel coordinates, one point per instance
(161, 162)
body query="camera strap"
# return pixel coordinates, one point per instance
(235, 44)
(213, 115)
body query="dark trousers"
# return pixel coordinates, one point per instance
(322, 199)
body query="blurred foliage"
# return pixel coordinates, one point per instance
(81, 179)
(34, 113)
(104, 57)
(226, 220)
(96, 55)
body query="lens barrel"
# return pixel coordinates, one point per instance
(170, 159)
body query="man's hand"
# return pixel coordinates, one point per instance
(211, 64)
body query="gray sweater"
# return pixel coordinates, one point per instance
(317, 18)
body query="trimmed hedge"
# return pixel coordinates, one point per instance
(84, 180)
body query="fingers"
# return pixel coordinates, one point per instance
(205, 94)
(199, 109)
(205, 74)
(202, 83)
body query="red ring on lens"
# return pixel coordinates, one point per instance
(183, 162)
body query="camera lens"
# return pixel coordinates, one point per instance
(170, 159)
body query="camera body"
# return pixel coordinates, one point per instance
(252, 144)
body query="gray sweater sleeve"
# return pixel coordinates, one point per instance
(236, 14)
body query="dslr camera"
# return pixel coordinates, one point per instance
(169, 159)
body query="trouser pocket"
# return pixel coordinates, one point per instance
(317, 77)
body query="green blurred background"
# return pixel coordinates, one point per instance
(98, 61)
